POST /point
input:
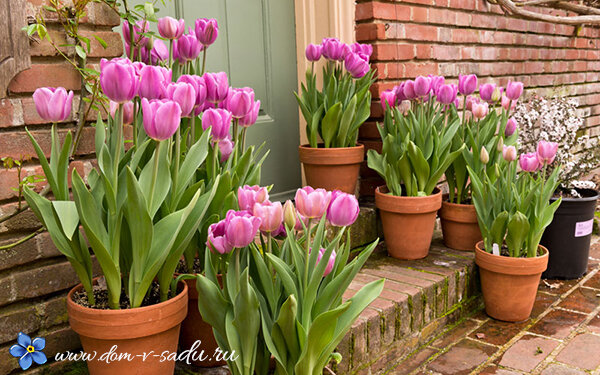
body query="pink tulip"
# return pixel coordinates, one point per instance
(399, 92)
(446, 94)
(171, 28)
(248, 196)
(217, 242)
(404, 106)
(159, 52)
(388, 99)
(546, 152)
(486, 91)
(514, 90)
(436, 82)
(270, 214)
(362, 49)
(118, 80)
(467, 84)
(330, 261)
(239, 101)
(53, 104)
(312, 203)
(127, 111)
(225, 148)
(470, 101)
(509, 153)
(161, 118)
(188, 47)
(511, 126)
(409, 90)
(217, 86)
(480, 110)
(313, 52)
(241, 228)
(250, 118)
(333, 49)
(183, 94)
(508, 104)
(219, 122)
(355, 65)
(207, 30)
(529, 162)
(139, 28)
(343, 209)
(153, 80)
(422, 86)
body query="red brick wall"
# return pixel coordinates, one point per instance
(452, 37)
(34, 277)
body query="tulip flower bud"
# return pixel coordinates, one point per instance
(355, 65)
(217, 86)
(184, 94)
(53, 104)
(241, 228)
(250, 118)
(514, 90)
(161, 119)
(333, 49)
(363, 49)
(480, 110)
(486, 91)
(399, 92)
(436, 83)
(170, 28)
(509, 153)
(330, 261)
(467, 84)
(529, 162)
(216, 240)
(270, 214)
(207, 30)
(188, 47)
(388, 99)
(484, 156)
(153, 80)
(219, 122)
(497, 94)
(312, 203)
(289, 214)
(127, 111)
(343, 209)
(446, 94)
(248, 196)
(422, 86)
(508, 104)
(409, 90)
(239, 101)
(511, 126)
(159, 52)
(500, 145)
(546, 152)
(313, 52)
(118, 80)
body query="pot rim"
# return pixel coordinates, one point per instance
(429, 203)
(306, 146)
(350, 156)
(595, 197)
(446, 201)
(511, 265)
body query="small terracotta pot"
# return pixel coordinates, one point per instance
(151, 330)
(194, 328)
(509, 285)
(408, 222)
(332, 168)
(459, 225)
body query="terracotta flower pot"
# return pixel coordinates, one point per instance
(194, 328)
(408, 222)
(332, 168)
(509, 285)
(459, 225)
(151, 330)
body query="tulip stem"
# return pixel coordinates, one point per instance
(308, 228)
(170, 53)
(244, 139)
(154, 173)
(177, 158)
(203, 60)
(119, 123)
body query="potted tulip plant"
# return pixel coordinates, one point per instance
(417, 150)
(514, 209)
(287, 293)
(486, 128)
(567, 238)
(334, 113)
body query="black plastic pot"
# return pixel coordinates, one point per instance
(568, 237)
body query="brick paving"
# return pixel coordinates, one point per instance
(562, 336)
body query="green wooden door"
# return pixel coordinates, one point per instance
(256, 47)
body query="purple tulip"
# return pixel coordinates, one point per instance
(509, 153)
(239, 101)
(153, 80)
(241, 228)
(270, 214)
(546, 152)
(514, 90)
(171, 28)
(250, 118)
(207, 30)
(399, 92)
(312, 203)
(225, 148)
(140, 53)
(422, 86)
(333, 49)
(409, 90)
(183, 94)
(139, 28)
(362, 49)
(217, 242)
(479, 110)
(388, 99)
(343, 209)
(118, 80)
(159, 52)
(467, 84)
(53, 104)
(511, 126)
(446, 94)
(188, 47)
(355, 65)
(248, 196)
(127, 111)
(486, 91)
(219, 122)
(217, 86)
(330, 261)
(313, 52)
(161, 118)
(529, 162)
(436, 82)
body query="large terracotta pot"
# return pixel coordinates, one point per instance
(151, 330)
(459, 225)
(332, 168)
(509, 285)
(195, 329)
(408, 222)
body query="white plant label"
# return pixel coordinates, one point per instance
(583, 228)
